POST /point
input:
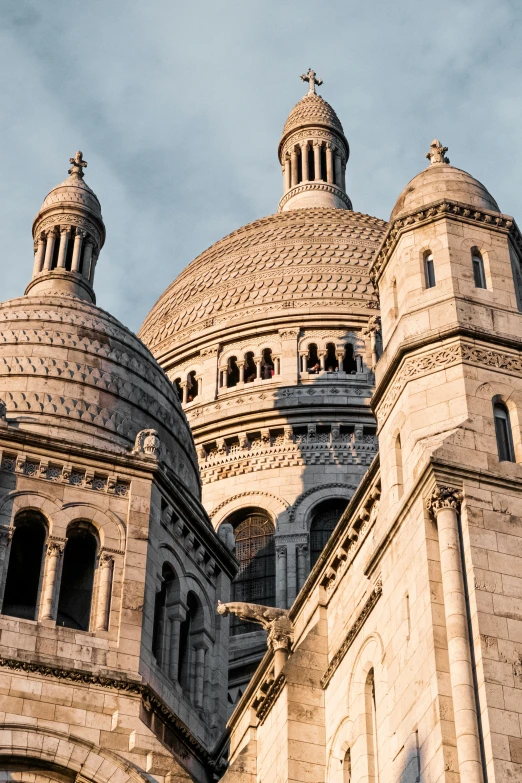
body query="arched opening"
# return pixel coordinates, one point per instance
(249, 373)
(179, 390)
(56, 251)
(325, 517)
(74, 603)
(347, 767)
(159, 623)
(429, 269)
(479, 276)
(192, 386)
(267, 364)
(506, 451)
(69, 251)
(331, 361)
(299, 165)
(371, 728)
(323, 162)
(312, 362)
(255, 550)
(232, 372)
(311, 173)
(349, 361)
(395, 298)
(189, 667)
(25, 566)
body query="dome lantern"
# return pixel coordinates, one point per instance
(313, 153)
(68, 234)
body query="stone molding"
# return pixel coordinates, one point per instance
(252, 494)
(266, 697)
(443, 497)
(314, 133)
(149, 697)
(69, 220)
(325, 187)
(444, 208)
(314, 490)
(461, 351)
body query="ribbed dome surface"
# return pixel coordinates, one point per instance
(73, 191)
(71, 370)
(306, 258)
(443, 181)
(312, 110)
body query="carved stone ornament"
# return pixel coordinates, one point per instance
(436, 153)
(3, 413)
(442, 498)
(147, 442)
(276, 622)
(106, 560)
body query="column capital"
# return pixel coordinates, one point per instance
(443, 497)
(106, 560)
(55, 548)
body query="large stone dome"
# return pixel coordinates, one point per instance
(302, 259)
(69, 369)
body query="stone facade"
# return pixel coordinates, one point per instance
(112, 658)
(295, 442)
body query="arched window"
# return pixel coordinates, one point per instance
(192, 652)
(506, 452)
(477, 262)
(255, 581)
(349, 362)
(311, 163)
(331, 362)
(69, 251)
(232, 372)
(312, 364)
(395, 298)
(250, 370)
(325, 517)
(25, 566)
(74, 603)
(267, 364)
(192, 386)
(56, 251)
(159, 629)
(179, 390)
(299, 165)
(429, 269)
(371, 728)
(347, 767)
(323, 162)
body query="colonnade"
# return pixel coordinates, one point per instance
(333, 162)
(53, 251)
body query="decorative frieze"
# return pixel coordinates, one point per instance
(443, 497)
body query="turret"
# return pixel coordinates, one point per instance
(68, 234)
(313, 153)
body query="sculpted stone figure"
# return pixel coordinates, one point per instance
(147, 442)
(254, 613)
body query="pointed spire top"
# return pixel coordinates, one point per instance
(437, 153)
(311, 77)
(78, 164)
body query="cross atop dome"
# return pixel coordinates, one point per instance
(311, 77)
(78, 164)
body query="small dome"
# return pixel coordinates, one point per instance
(73, 192)
(440, 180)
(312, 110)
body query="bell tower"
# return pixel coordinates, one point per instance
(68, 234)
(313, 153)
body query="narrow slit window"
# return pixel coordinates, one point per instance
(478, 269)
(429, 270)
(506, 452)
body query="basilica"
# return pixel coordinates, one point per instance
(275, 536)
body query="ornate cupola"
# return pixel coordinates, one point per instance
(68, 234)
(313, 153)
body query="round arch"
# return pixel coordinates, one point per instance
(273, 505)
(23, 500)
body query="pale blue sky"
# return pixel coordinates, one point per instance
(178, 108)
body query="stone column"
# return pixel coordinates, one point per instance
(301, 565)
(288, 174)
(105, 565)
(50, 587)
(49, 249)
(62, 251)
(176, 615)
(343, 176)
(293, 158)
(184, 388)
(77, 250)
(281, 577)
(338, 168)
(6, 536)
(321, 355)
(444, 504)
(317, 160)
(291, 574)
(258, 367)
(199, 679)
(241, 368)
(329, 163)
(39, 255)
(277, 365)
(304, 159)
(92, 267)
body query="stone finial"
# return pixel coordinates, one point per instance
(78, 164)
(311, 78)
(443, 497)
(437, 153)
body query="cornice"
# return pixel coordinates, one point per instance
(439, 210)
(325, 187)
